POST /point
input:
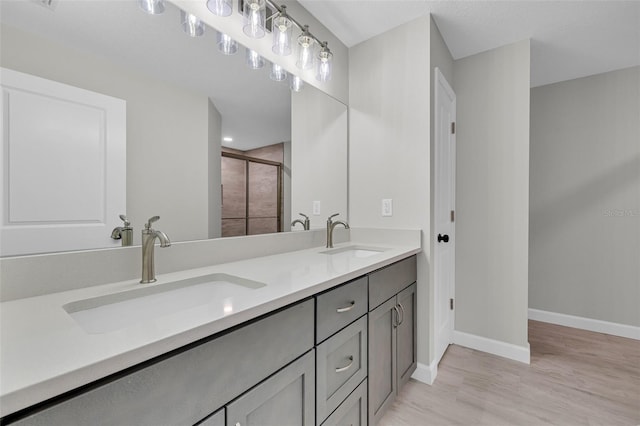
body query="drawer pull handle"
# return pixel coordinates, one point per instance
(346, 367)
(402, 311)
(396, 318)
(346, 308)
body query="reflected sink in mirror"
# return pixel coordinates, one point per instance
(104, 314)
(358, 252)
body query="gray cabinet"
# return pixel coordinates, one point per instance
(286, 398)
(392, 334)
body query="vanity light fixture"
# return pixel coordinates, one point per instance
(254, 60)
(226, 44)
(296, 84)
(281, 29)
(325, 59)
(254, 13)
(191, 25)
(278, 73)
(152, 7)
(220, 7)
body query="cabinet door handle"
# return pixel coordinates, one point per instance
(346, 308)
(396, 321)
(346, 367)
(401, 309)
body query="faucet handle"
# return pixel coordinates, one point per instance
(125, 220)
(304, 215)
(150, 221)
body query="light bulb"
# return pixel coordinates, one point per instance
(296, 84)
(254, 60)
(220, 7)
(254, 14)
(152, 7)
(277, 73)
(226, 44)
(191, 25)
(325, 60)
(282, 29)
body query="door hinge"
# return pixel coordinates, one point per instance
(451, 304)
(453, 127)
(453, 216)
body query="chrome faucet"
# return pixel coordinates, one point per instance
(149, 236)
(124, 233)
(306, 224)
(330, 226)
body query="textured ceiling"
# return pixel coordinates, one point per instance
(569, 39)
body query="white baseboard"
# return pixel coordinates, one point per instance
(589, 324)
(426, 373)
(495, 347)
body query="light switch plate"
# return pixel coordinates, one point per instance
(387, 207)
(316, 208)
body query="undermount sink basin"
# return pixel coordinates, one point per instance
(358, 252)
(116, 311)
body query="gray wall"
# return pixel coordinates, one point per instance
(389, 155)
(585, 197)
(492, 193)
(319, 149)
(167, 131)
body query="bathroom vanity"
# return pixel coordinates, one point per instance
(328, 340)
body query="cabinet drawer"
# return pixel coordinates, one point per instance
(339, 307)
(353, 411)
(341, 366)
(386, 282)
(191, 384)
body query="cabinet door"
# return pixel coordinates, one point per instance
(382, 358)
(286, 398)
(407, 351)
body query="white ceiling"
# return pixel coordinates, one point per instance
(569, 39)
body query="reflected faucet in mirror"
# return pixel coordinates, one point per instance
(124, 233)
(306, 224)
(331, 226)
(149, 236)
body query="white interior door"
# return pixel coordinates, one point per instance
(63, 157)
(444, 232)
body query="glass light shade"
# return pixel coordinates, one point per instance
(277, 73)
(254, 60)
(296, 84)
(325, 62)
(226, 44)
(281, 30)
(254, 13)
(306, 47)
(220, 7)
(191, 25)
(152, 7)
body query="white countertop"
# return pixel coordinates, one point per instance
(44, 352)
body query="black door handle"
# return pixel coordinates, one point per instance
(442, 238)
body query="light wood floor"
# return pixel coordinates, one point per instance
(576, 377)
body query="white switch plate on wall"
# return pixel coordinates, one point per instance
(387, 207)
(316, 208)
